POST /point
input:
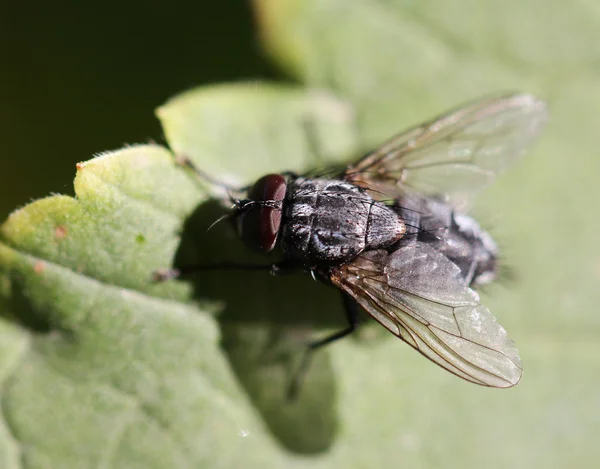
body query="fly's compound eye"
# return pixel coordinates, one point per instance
(260, 221)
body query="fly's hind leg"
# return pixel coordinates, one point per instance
(351, 309)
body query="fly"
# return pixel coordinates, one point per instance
(392, 233)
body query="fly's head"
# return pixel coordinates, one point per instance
(259, 216)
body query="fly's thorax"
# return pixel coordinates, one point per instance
(332, 221)
(384, 227)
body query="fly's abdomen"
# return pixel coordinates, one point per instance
(456, 236)
(334, 221)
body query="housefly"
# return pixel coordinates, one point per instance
(391, 231)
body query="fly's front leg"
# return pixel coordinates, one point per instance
(162, 275)
(233, 192)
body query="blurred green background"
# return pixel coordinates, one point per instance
(78, 78)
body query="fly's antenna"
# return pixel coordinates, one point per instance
(238, 206)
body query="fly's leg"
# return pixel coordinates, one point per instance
(162, 275)
(351, 309)
(184, 161)
(233, 192)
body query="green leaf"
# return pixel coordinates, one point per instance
(133, 372)
(101, 367)
(249, 129)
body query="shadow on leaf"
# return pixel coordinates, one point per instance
(266, 323)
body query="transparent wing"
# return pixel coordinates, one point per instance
(420, 296)
(454, 155)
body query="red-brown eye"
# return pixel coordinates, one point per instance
(260, 223)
